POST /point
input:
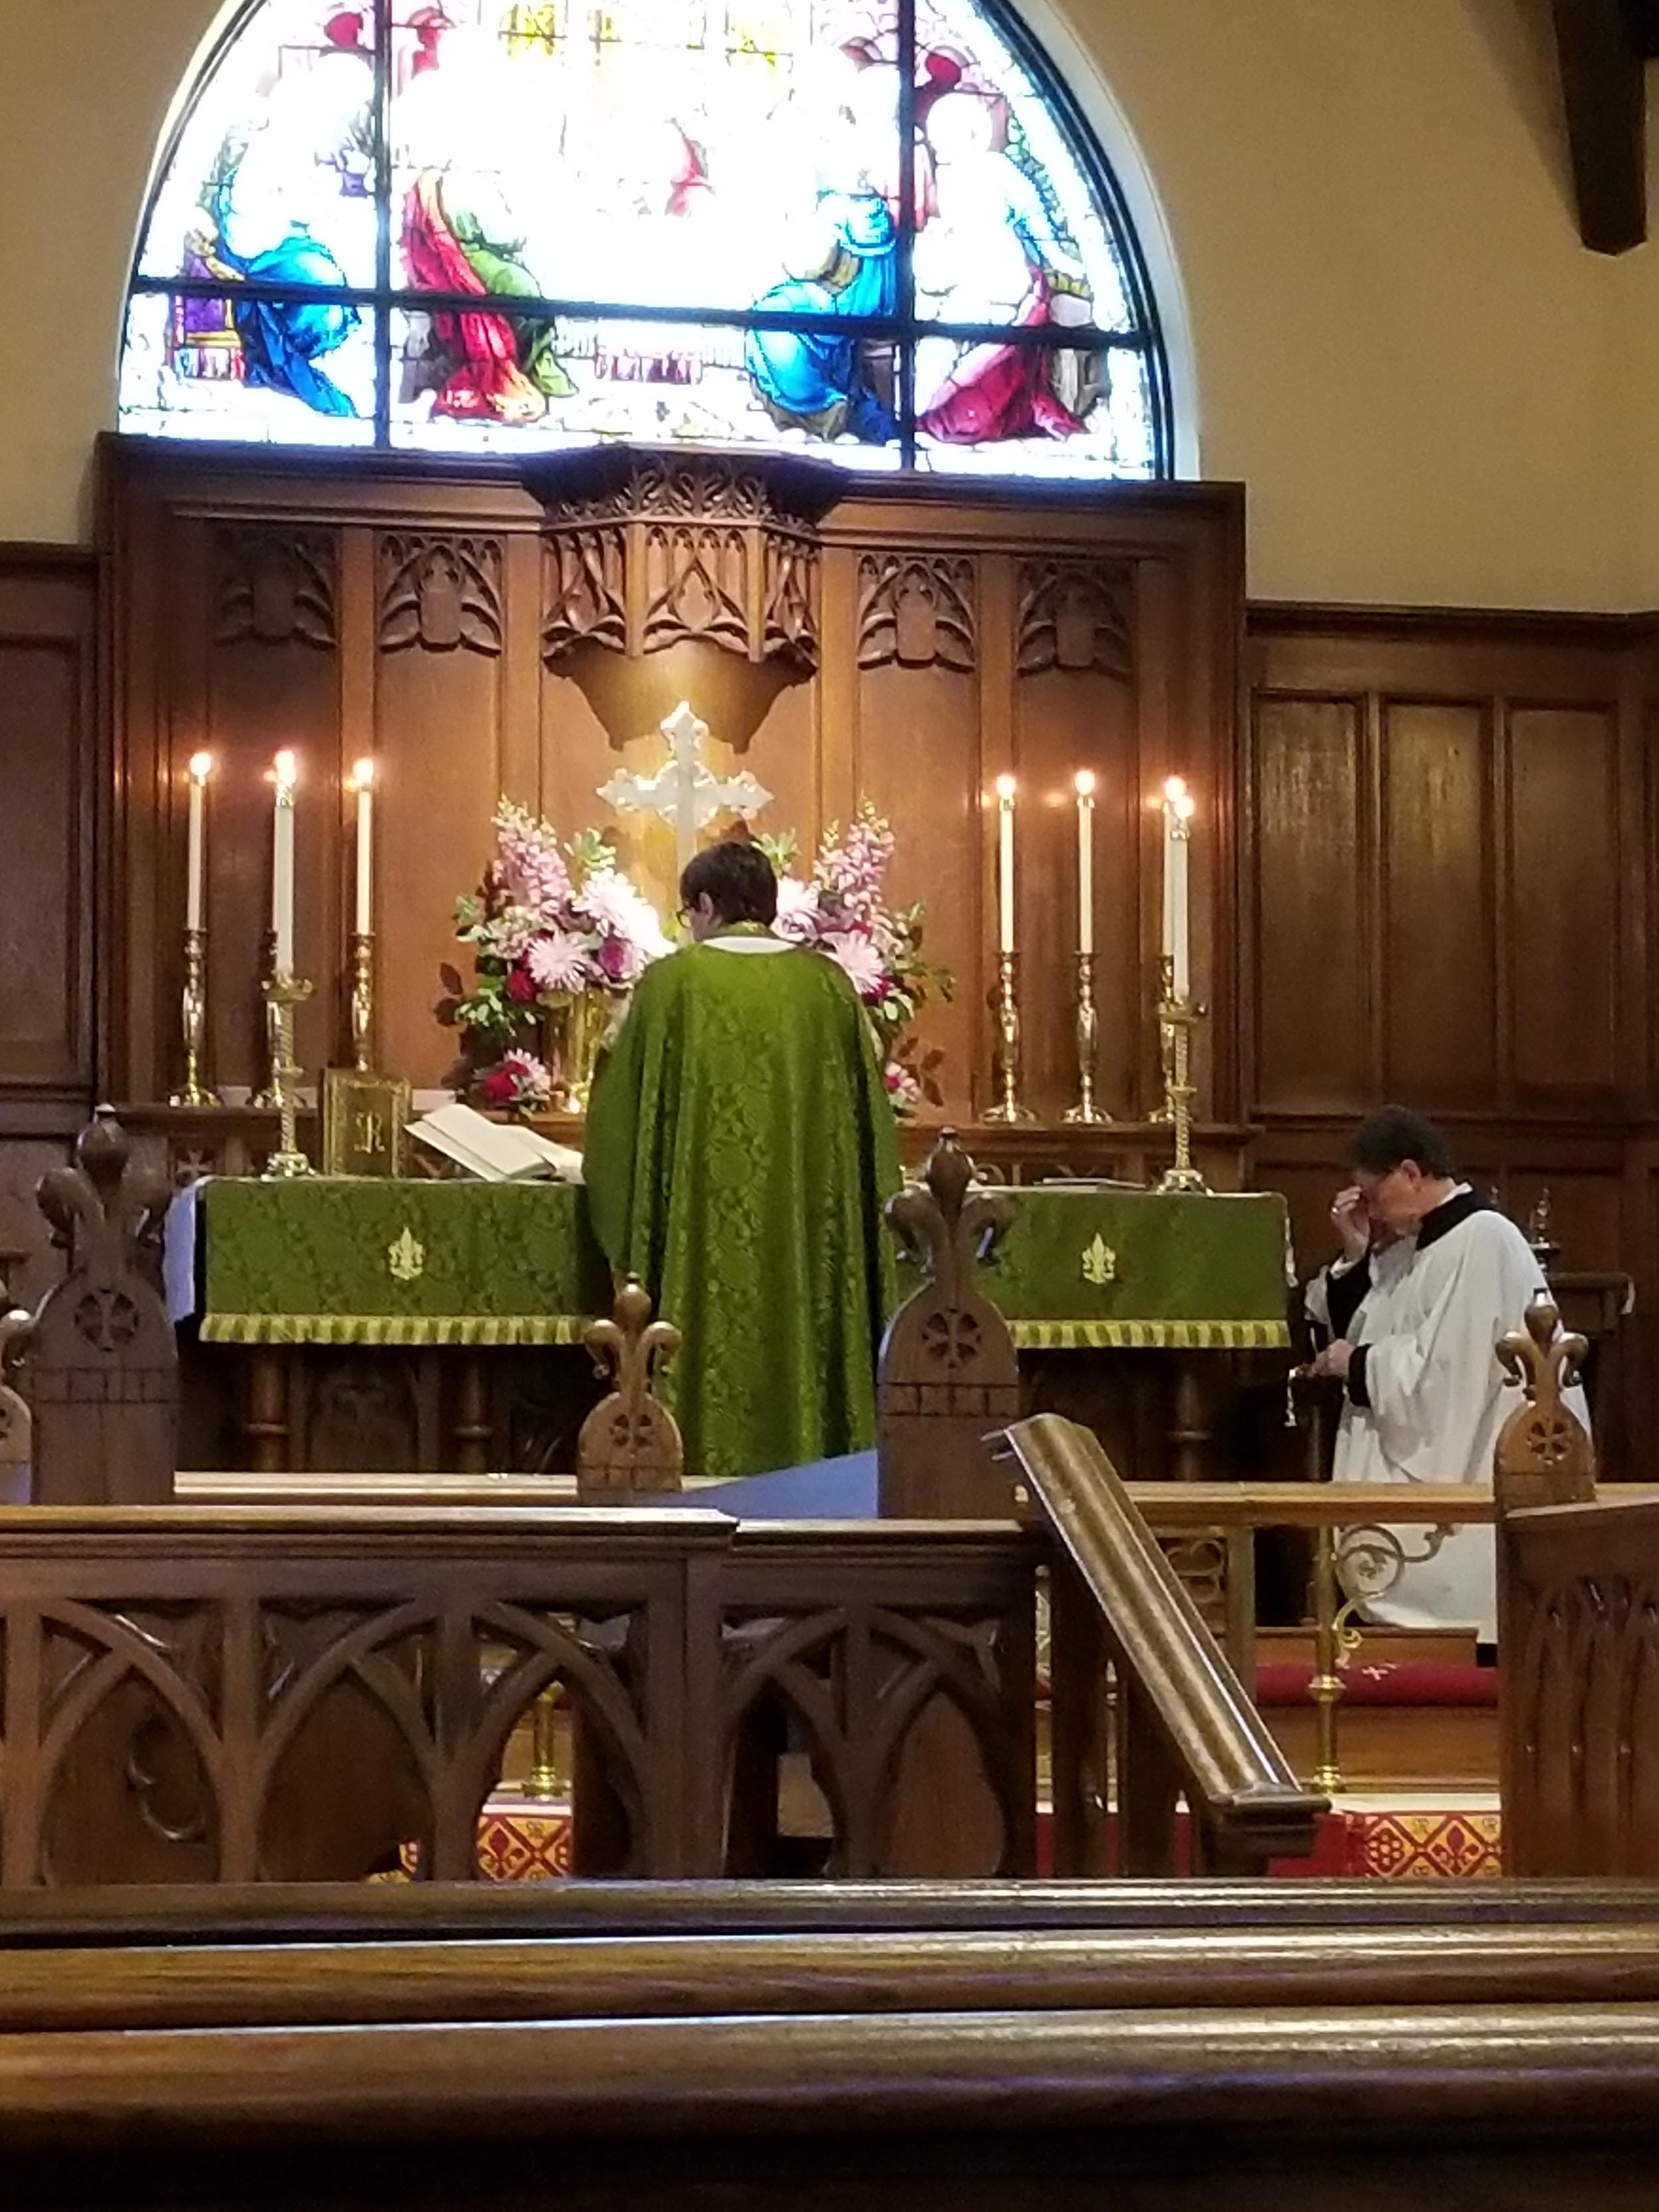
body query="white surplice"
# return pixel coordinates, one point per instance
(1427, 1398)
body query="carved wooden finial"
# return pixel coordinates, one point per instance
(1544, 1455)
(629, 1443)
(103, 1367)
(946, 1227)
(16, 1331)
(948, 1372)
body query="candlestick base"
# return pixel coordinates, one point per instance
(193, 1010)
(1009, 1106)
(1086, 1114)
(283, 994)
(1179, 1017)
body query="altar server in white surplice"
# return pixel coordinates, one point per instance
(1431, 1278)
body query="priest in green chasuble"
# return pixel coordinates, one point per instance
(740, 1147)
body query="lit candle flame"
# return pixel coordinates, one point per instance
(1006, 786)
(1085, 782)
(201, 767)
(286, 771)
(362, 774)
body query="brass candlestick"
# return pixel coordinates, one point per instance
(1008, 1107)
(193, 1005)
(265, 1100)
(1178, 1018)
(1088, 1044)
(362, 1000)
(283, 994)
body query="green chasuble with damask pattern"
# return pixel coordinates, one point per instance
(740, 1146)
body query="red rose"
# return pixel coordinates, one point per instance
(521, 985)
(498, 1088)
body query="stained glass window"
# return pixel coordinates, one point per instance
(874, 229)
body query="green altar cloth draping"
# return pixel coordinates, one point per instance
(338, 1261)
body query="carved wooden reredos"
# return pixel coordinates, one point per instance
(485, 630)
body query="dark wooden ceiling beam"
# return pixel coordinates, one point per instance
(1601, 47)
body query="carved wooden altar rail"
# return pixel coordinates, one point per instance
(274, 1645)
(250, 1632)
(1186, 1727)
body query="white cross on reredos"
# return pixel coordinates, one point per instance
(685, 790)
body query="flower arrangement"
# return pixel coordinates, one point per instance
(841, 909)
(550, 924)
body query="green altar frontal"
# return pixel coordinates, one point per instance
(339, 1260)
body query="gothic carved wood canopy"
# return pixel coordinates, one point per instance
(700, 570)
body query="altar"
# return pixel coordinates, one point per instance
(345, 1324)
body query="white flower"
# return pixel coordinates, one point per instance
(797, 910)
(509, 934)
(533, 1078)
(616, 909)
(559, 962)
(853, 952)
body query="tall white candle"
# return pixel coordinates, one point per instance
(282, 865)
(1177, 839)
(1005, 864)
(201, 767)
(1084, 781)
(363, 782)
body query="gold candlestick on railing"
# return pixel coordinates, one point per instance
(1088, 1044)
(1178, 1018)
(362, 1001)
(1008, 1107)
(283, 994)
(191, 1092)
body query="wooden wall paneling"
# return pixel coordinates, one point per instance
(978, 985)
(1438, 939)
(915, 757)
(438, 703)
(273, 680)
(47, 773)
(142, 566)
(780, 757)
(1563, 882)
(1312, 866)
(358, 741)
(521, 667)
(1162, 748)
(836, 689)
(576, 758)
(1075, 704)
(1646, 713)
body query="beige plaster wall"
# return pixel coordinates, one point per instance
(1432, 391)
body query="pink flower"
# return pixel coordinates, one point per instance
(529, 863)
(521, 986)
(903, 1088)
(559, 962)
(852, 951)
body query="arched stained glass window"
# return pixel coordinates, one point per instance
(494, 226)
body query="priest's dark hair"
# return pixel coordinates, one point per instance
(738, 878)
(1394, 1134)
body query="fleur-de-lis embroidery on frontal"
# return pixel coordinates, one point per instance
(1099, 1262)
(406, 1257)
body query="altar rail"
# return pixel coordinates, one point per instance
(211, 1695)
(600, 2049)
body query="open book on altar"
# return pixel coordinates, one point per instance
(495, 1151)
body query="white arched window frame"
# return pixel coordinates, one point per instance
(883, 234)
